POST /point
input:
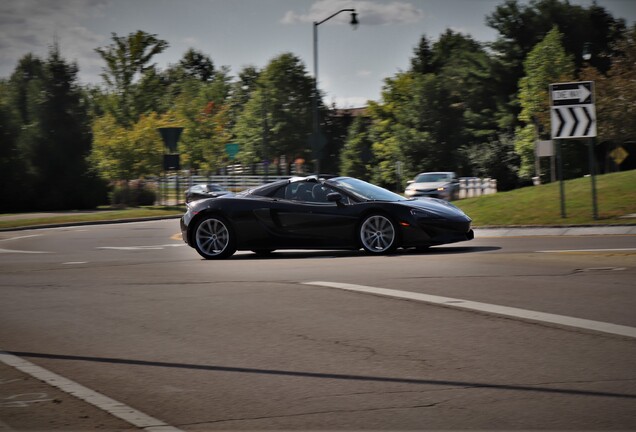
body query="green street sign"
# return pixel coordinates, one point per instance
(231, 149)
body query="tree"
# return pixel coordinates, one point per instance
(495, 159)
(422, 57)
(522, 26)
(356, 156)
(277, 118)
(197, 65)
(127, 60)
(50, 137)
(13, 179)
(616, 93)
(121, 153)
(427, 119)
(547, 63)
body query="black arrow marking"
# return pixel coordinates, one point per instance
(561, 123)
(576, 121)
(589, 121)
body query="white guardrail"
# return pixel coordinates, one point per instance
(473, 187)
(469, 187)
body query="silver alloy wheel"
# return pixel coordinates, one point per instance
(212, 237)
(377, 234)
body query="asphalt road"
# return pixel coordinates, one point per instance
(122, 327)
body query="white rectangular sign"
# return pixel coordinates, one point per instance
(573, 121)
(573, 113)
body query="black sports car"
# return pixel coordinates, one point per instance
(311, 213)
(202, 191)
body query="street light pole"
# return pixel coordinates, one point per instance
(315, 139)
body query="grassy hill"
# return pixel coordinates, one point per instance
(541, 205)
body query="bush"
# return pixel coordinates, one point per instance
(133, 194)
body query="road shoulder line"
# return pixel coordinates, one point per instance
(506, 311)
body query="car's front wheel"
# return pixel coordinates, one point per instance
(214, 238)
(377, 234)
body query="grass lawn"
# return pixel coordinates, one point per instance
(101, 214)
(541, 205)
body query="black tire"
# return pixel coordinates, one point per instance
(213, 238)
(378, 234)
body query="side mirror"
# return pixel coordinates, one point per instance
(334, 197)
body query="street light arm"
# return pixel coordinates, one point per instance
(333, 15)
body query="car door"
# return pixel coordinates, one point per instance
(305, 218)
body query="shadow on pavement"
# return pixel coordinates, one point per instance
(349, 377)
(296, 254)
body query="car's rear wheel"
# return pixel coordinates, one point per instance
(214, 238)
(377, 234)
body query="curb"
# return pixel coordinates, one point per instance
(85, 223)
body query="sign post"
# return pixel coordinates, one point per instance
(232, 150)
(573, 116)
(170, 136)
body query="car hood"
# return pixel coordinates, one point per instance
(436, 207)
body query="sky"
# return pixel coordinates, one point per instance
(352, 63)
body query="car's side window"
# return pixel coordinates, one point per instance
(320, 192)
(307, 192)
(293, 191)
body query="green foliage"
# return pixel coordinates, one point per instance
(125, 154)
(522, 26)
(616, 93)
(127, 61)
(495, 159)
(356, 158)
(133, 194)
(48, 137)
(276, 120)
(547, 63)
(197, 65)
(427, 119)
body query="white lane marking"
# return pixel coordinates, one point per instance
(74, 262)
(588, 250)
(21, 237)
(155, 247)
(488, 308)
(21, 251)
(111, 406)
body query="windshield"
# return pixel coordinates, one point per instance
(432, 177)
(365, 190)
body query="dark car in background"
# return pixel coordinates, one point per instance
(443, 185)
(313, 213)
(202, 191)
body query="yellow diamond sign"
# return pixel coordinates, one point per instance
(619, 154)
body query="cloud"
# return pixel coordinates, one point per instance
(369, 12)
(33, 26)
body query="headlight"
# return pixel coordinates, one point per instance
(422, 214)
